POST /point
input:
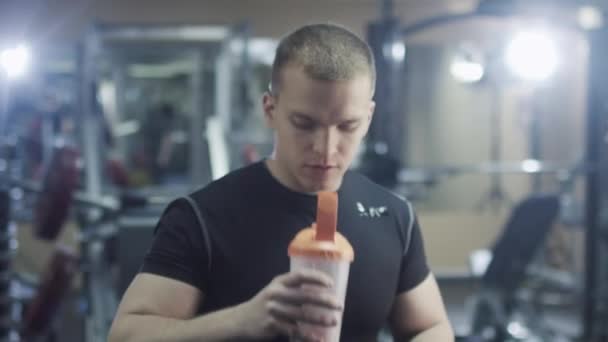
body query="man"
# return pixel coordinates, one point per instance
(227, 276)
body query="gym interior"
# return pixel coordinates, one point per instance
(491, 118)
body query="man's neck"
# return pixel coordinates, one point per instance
(276, 173)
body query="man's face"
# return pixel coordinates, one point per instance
(318, 128)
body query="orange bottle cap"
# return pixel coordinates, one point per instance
(321, 239)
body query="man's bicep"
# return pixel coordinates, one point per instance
(151, 294)
(418, 309)
(414, 266)
(178, 250)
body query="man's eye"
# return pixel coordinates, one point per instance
(303, 124)
(349, 126)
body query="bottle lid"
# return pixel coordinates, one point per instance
(321, 239)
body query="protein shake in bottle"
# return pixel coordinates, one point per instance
(321, 247)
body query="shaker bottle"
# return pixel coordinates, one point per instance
(322, 248)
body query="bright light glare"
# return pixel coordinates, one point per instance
(466, 71)
(590, 17)
(518, 330)
(468, 64)
(15, 61)
(263, 49)
(532, 56)
(398, 51)
(531, 165)
(126, 128)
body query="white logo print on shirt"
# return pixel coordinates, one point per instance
(371, 212)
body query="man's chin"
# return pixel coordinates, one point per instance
(318, 186)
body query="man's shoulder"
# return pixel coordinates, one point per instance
(368, 194)
(357, 183)
(230, 185)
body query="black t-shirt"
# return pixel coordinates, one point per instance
(250, 219)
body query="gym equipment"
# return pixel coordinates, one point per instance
(98, 287)
(54, 285)
(595, 168)
(387, 38)
(433, 175)
(416, 182)
(523, 235)
(497, 306)
(56, 194)
(596, 193)
(113, 54)
(8, 311)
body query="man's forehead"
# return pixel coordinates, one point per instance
(343, 116)
(304, 88)
(303, 71)
(328, 115)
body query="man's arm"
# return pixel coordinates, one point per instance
(162, 301)
(419, 315)
(156, 308)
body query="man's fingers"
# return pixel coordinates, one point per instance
(320, 295)
(296, 278)
(310, 294)
(318, 315)
(304, 336)
(285, 327)
(301, 303)
(309, 314)
(283, 311)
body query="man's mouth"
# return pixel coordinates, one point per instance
(321, 167)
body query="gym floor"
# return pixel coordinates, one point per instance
(459, 297)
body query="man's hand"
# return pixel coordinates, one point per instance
(297, 297)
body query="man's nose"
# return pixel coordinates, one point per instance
(325, 143)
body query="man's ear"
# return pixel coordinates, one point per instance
(372, 109)
(269, 105)
(370, 115)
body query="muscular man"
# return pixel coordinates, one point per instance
(223, 273)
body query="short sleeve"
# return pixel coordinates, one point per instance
(414, 267)
(178, 250)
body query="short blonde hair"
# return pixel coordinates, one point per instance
(326, 52)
